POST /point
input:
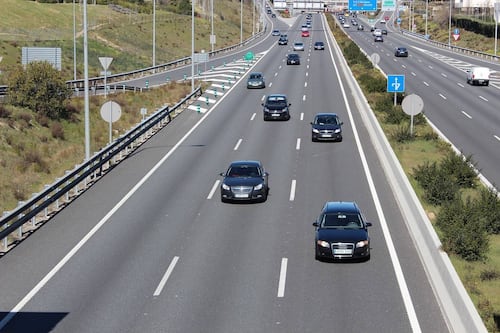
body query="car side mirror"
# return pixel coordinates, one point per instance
(262, 104)
(315, 224)
(266, 174)
(222, 174)
(311, 123)
(341, 123)
(289, 104)
(368, 224)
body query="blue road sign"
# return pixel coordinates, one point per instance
(395, 83)
(363, 5)
(456, 32)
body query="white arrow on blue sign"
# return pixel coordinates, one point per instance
(395, 83)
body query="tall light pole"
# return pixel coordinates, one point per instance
(426, 15)
(154, 33)
(241, 21)
(74, 41)
(212, 24)
(86, 82)
(192, 45)
(253, 17)
(449, 27)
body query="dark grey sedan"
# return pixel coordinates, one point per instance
(326, 126)
(244, 181)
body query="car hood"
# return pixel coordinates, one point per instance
(342, 235)
(325, 126)
(243, 181)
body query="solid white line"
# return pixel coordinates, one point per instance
(297, 145)
(292, 190)
(483, 98)
(403, 287)
(496, 137)
(466, 114)
(282, 281)
(166, 276)
(237, 144)
(19, 306)
(253, 116)
(214, 188)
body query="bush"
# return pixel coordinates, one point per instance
(395, 115)
(488, 206)
(461, 169)
(373, 83)
(463, 230)
(4, 112)
(40, 88)
(438, 185)
(57, 131)
(402, 133)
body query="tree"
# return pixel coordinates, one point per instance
(40, 88)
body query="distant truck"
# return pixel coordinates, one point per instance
(478, 76)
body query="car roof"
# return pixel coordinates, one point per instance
(276, 96)
(325, 114)
(245, 162)
(341, 206)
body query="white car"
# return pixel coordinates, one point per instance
(346, 25)
(298, 46)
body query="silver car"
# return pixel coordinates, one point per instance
(298, 46)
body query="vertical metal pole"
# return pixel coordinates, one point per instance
(241, 21)
(253, 17)
(74, 41)
(426, 15)
(496, 35)
(154, 33)
(449, 27)
(212, 21)
(86, 82)
(192, 45)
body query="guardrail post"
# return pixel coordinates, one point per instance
(198, 108)
(4, 241)
(215, 92)
(33, 207)
(20, 229)
(206, 100)
(185, 77)
(222, 86)
(46, 210)
(67, 183)
(167, 79)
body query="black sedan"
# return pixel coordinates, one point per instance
(326, 126)
(341, 232)
(319, 46)
(292, 59)
(401, 52)
(244, 181)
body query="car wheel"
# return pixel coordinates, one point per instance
(340, 139)
(222, 199)
(313, 139)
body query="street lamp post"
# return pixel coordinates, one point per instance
(241, 21)
(154, 33)
(86, 83)
(449, 27)
(192, 45)
(426, 15)
(74, 41)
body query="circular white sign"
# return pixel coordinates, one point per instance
(375, 57)
(412, 105)
(111, 111)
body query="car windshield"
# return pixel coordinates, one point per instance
(341, 220)
(323, 120)
(276, 100)
(255, 76)
(243, 171)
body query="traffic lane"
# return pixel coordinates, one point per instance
(40, 252)
(420, 288)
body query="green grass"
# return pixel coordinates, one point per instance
(126, 38)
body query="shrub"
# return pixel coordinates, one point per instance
(463, 230)
(489, 275)
(57, 131)
(4, 112)
(438, 185)
(372, 83)
(461, 169)
(402, 133)
(395, 115)
(488, 206)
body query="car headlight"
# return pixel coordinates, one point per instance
(315, 130)
(362, 243)
(258, 187)
(338, 130)
(225, 187)
(266, 109)
(323, 243)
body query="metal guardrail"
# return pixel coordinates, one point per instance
(139, 73)
(483, 55)
(36, 211)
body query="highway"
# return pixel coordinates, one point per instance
(151, 248)
(466, 115)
